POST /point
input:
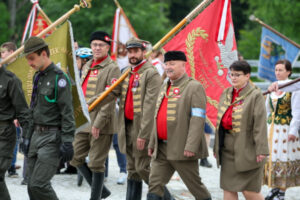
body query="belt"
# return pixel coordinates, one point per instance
(162, 141)
(46, 128)
(5, 122)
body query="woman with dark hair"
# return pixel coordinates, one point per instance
(241, 143)
(283, 111)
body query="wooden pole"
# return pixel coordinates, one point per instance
(285, 85)
(173, 31)
(253, 18)
(44, 14)
(46, 30)
(270, 149)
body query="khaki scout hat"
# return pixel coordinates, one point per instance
(33, 44)
(136, 43)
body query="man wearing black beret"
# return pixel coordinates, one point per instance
(97, 76)
(177, 140)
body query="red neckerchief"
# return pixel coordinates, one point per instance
(129, 97)
(86, 80)
(227, 117)
(161, 120)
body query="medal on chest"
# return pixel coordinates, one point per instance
(176, 93)
(94, 73)
(135, 83)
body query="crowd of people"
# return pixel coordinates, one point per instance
(156, 121)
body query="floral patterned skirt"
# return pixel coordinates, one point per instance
(285, 165)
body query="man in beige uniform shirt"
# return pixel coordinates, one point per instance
(138, 97)
(97, 75)
(177, 140)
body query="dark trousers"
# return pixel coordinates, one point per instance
(7, 144)
(13, 163)
(43, 160)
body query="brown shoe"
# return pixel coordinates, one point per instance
(17, 167)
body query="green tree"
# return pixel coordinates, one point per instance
(282, 15)
(5, 33)
(144, 15)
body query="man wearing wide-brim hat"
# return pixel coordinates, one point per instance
(50, 137)
(177, 140)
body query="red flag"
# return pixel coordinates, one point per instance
(35, 23)
(209, 44)
(39, 25)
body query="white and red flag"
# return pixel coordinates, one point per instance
(209, 44)
(35, 23)
(122, 32)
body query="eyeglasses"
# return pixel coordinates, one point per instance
(235, 75)
(98, 45)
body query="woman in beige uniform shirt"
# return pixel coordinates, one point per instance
(241, 136)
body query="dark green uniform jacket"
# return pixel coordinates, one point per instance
(54, 102)
(12, 101)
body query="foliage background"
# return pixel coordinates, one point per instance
(154, 18)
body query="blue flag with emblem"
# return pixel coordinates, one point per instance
(274, 48)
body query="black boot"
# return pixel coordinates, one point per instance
(87, 174)
(105, 192)
(129, 189)
(97, 185)
(167, 195)
(79, 179)
(134, 190)
(152, 196)
(204, 163)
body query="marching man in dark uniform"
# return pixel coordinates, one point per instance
(12, 106)
(52, 118)
(177, 140)
(97, 75)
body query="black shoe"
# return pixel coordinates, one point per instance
(24, 181)
(70, 170)
(272, 194)
(280, 195)
(152, 196)
(12, 172)
(204, 163)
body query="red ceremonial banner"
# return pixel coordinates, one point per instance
(39, 25)
(210, 47)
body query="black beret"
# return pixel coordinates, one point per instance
(100, 35)
(174, 55)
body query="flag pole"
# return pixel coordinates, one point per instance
(253, 18)
(285, 85)
(42, 33)
(44, 14)
(172, 32)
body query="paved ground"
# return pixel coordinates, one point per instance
(67, 189)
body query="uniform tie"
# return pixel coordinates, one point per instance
(34, 90)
